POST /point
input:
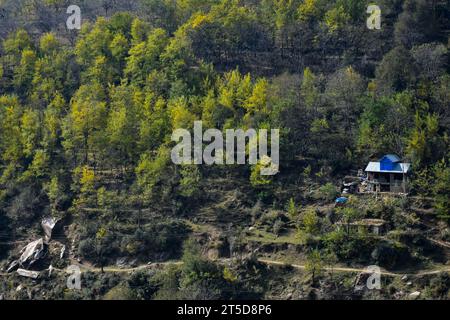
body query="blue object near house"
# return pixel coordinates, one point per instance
(342, 200)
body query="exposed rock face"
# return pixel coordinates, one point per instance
(414, 295)
(48, 224)
(29, 255)
(28, 274)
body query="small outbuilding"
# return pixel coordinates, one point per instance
(374, 226)
(389, 174)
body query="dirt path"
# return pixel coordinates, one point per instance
(440, 243)
(90, 268)
(358, 270)
(110, 269)
(267, 262)
(334, 269)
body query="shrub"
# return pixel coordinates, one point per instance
(327, 192)
(349, 247)
(391, 254)
(86, 248)
(120, 292)
(438, 287)
(278, 227)
(292, 209)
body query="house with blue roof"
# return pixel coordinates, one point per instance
(389, 174)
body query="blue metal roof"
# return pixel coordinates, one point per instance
(398, 167)
(391, 157)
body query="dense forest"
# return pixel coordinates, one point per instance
(86, 118)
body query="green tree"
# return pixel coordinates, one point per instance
(55, 194)
(154, 124)
(30, 131)
(418, 23)
(84, 185)
(336, 18)
(349, 215)
(190, 180)
(328, 192)
(52, 124)
(84, 126)
(122, 128)
(425, 145)
(144, 57)
(200, 278)
(153, 175)
(396, 72)
(100, 246)
(310, 9)
(441, 190)
(314, 264)
(310, 222)
(10, 121)
(23, 74)
(292, 209)
(309, 90)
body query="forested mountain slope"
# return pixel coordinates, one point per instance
(86, 118)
